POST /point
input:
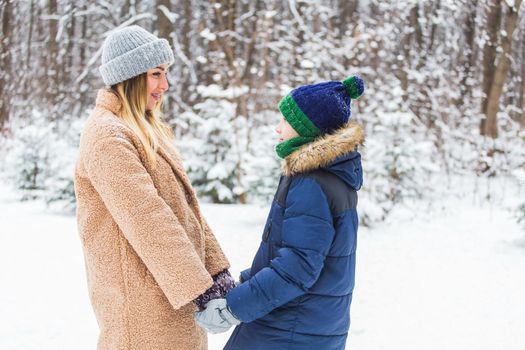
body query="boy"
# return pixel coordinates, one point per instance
(298, 291)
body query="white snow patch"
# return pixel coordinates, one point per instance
(448, 278)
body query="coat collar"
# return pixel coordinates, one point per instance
(106, 99)
(324, 150)
(173, 158)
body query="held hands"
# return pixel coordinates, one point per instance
(216, 317)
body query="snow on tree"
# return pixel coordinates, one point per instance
(448, 76)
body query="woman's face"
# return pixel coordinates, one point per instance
(285, 130)
(157, 85)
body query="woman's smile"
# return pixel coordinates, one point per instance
(156, 96)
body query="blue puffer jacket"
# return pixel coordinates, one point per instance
(298, 291)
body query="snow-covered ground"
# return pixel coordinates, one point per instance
(450, 278)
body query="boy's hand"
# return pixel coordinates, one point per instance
(216, 317)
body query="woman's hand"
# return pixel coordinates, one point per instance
(222, 283)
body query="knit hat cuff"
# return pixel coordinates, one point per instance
(297, 119)
(136, 62)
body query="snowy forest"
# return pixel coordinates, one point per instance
(444, 99)
(441, 239)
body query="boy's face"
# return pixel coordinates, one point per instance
(285, 130)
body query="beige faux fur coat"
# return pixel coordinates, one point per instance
(148, 250)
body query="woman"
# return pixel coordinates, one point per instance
(149, 252)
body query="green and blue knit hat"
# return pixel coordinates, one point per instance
(317, 109)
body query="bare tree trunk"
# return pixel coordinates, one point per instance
(52, 55)
(268, 22)
(347, 10)
(468, 61)
(426, 51)
(5, 74)
(522, 95)
(406, 43)
(186, 28)
(204, 70)
(489, 54)
(225, 16)
(82, 45)
(164, 25)
(185, 94)
(222, 14)
(71, 42)
(250, 49)
(125, 10)
(82, 54)
(232, 15)
(29, 48)
(434, 27)
(414, 22)
(249, 58)
(500, 75)
(298, 49)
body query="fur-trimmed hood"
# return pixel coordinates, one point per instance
(334, 152)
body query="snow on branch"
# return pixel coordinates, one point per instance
(171, 16)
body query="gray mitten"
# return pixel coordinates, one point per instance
(217, 317)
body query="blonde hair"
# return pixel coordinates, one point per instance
(147, 124)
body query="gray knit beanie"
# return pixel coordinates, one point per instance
(131, 51)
